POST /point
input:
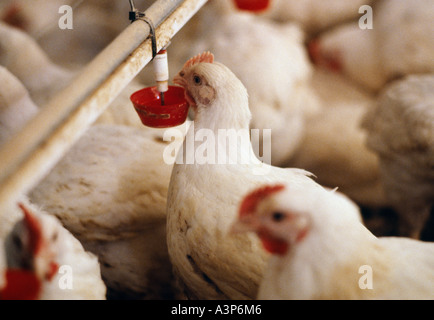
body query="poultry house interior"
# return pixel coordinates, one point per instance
(332, 106)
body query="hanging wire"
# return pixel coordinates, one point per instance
(134, 15)
(133, 8)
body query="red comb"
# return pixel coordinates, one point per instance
(202, 57)
(251, 201)
(34, 228)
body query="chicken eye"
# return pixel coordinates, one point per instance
(197, 80)
(278, 216)
(17, 242)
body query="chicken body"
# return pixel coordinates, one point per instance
(16, 106)
(94, 25)
(328, 254)
(110, 191)
(203, 195)
(401, 131)
(23, 56)
(334, 144)
(43, 78)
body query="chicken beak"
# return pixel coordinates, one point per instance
(244, 224)
(44, 265)
(179, 80)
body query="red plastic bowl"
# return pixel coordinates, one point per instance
(147, 103)
(252, 5)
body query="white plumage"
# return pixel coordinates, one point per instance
(94, 24)
(23, 56)
(400, 129)
(16, 106)
(43, 78)
(333, 146)
(110, 191)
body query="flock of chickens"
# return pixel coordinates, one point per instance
(350, 184)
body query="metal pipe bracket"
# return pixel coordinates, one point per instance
(134, 15)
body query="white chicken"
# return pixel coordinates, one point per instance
(315, 15)
(16, 106)
(207, 181)
(110, 191)
(399, 43)
(322, 252)
(400, 129)
(274, 68)
(44, 261)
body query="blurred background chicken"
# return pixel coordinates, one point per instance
(400, 42)
(43, 78)
(315, 16)
(110, 191)
(319, 248)
(333, 146)
(16, 106)
(37, 251)
(95, 24)
(23, 56)
(401, 131)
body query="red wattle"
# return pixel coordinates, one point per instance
(274, 246)
(20, 285)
